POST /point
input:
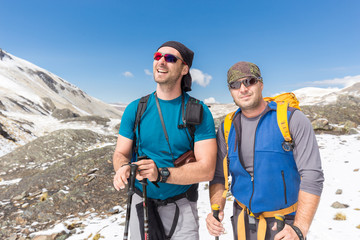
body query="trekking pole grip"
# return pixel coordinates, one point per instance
(280, 222)
(131, 189)
(216, 208)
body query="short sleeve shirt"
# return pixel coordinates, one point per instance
(152, 142)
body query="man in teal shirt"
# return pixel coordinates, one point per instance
(171, 66)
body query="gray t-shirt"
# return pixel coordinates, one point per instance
(306, 151)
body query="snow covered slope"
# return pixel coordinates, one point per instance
(29, 95)
(323, 96)
(27, 88)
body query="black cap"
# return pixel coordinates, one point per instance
(187, 56)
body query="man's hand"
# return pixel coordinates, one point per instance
(286, 233)
(121, 176)
(215, 227)
(307, 205)
(147, 169)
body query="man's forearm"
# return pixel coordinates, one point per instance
(307, 206)
(191, 173)
(201, 170)
(216, 192)
(119, 160)
(123, 152)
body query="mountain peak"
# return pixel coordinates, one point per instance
(32, 98)
(26, 84)
(324, 96)
(3, 55)
(355, 88)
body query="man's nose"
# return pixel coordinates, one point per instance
(243, 88)
(162, 59)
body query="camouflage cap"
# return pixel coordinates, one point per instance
(241, 70)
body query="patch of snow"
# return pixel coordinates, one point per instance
(219, 110)
(40, 125)
(99, 145)
(10, 182)
(313, 95)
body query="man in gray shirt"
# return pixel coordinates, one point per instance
(267, 178)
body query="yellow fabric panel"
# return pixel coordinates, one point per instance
(227, 126)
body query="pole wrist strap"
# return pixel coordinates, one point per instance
(298, 232)
(126, 164)
(158, 178)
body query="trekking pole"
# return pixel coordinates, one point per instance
(280, 222)
(216, 208)
(145, 205)
(130, 193)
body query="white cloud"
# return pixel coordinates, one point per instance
(203, 79)
(128, 74)
(210, 100)
(148, 72)
(345, 82)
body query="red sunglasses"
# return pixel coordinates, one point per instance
(247, 82)
(168, 57)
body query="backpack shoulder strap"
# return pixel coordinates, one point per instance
(284, 101)
(282, 119)
(139, 112)
(189, 126)
(227, 125)
(193, 99)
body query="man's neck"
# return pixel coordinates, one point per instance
(251, 113)
(165, 93)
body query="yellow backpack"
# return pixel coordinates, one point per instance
(283, 101)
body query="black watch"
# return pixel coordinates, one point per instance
(165, 173)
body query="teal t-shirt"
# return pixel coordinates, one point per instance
(152, 142)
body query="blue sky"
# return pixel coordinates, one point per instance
(106, 47)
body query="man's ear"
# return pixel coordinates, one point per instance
(185, 70)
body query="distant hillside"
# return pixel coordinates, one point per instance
(324, 96)
(34, 102)
(27, 88)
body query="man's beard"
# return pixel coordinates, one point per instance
(169, 83)
(248, 105)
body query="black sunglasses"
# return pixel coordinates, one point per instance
(247, 82)
(168, 57)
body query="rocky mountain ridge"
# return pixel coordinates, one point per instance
(27, 88)
(325, 96)
(33, 102)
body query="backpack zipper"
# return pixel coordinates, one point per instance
(283, 177)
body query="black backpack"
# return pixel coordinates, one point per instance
(193, 116)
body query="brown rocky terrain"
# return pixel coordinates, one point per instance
(64, 173)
